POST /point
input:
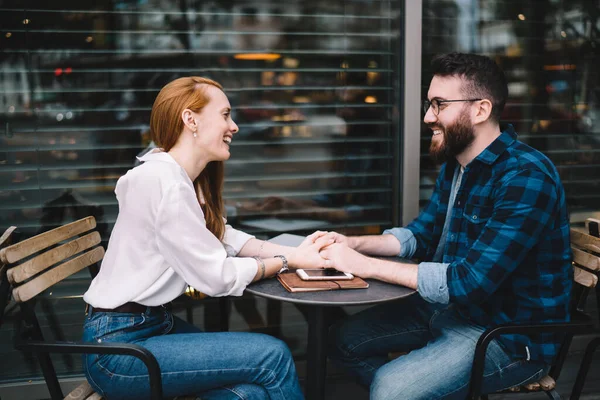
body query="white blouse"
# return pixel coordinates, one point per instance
(160, 242)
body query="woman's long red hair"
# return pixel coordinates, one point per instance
(166, 125)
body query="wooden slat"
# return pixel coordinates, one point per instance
(587, 260)
(18, 251)
(585, 278)
(37, 264)
(95, 396)
(547, 383)
(81, 392)
(57, 274)
(5, 239)
(585, 241)
(533, 387)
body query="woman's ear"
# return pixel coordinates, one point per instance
(188, 120)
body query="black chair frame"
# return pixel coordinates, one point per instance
(31, 339)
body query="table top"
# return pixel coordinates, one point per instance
(378, 292)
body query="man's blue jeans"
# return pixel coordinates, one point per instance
(223, 365)
(441, 345)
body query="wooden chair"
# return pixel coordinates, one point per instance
(5, 240)
(586, 362)
(35, 265)
(584, 262)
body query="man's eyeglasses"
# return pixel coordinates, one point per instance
(436, 103)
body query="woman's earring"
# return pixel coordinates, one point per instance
(195, 134)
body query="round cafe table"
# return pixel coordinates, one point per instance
(316, 304)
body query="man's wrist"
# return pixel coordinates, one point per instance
(353, 242)
(366, 266)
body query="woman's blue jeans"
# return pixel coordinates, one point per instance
(440, 346)
(223, 365)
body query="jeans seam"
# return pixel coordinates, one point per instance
(89, 377)
(107, 371)
(232, 389)
(494, 373)
(351, 349)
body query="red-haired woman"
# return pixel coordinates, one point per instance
(170, 233)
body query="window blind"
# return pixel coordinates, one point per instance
(314, 88)
(549, 52)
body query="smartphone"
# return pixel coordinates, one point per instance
(323, 274)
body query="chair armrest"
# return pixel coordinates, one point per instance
(102, 348)
(581, 322)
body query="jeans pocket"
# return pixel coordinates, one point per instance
(117, 326)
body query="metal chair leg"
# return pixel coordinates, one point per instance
(584, 368)
(553, 394)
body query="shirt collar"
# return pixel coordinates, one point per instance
(498, 146)
(157, 155)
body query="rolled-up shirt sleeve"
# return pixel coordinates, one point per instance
(408, 242)
(234, 240)
(193, 251)
(432, 282)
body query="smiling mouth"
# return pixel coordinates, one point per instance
(227, 140)
(437, 132)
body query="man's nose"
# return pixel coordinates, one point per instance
(429, 117)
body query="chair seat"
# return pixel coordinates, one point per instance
(85, 392)
(545, 384)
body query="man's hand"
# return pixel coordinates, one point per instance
(345, 259)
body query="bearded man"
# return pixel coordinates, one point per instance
(495, 243)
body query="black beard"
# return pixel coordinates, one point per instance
(457, 137)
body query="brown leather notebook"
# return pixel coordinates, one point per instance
(292, 282)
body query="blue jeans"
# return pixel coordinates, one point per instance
(440, 345)
(215, 366)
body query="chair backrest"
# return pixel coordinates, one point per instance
(586, 258)
(5, 240)
(53, 260)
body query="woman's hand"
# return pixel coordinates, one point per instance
(349, 241)
(307, 254)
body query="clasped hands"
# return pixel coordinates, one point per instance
(330, 250)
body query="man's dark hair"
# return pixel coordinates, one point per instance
(484, 78)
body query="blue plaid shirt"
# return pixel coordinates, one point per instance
(507, 256)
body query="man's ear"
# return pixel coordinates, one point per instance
(188, 119)
(483, 111)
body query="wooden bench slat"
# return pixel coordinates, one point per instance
(585, 241)
(30, 289)
(587, 260)
(585, 278)
(533, 387)
(95, 396)
(5, 238)
(27, 247)
(81, 392)
(37, 264)
(547, 383)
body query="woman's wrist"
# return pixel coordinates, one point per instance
(292, 259)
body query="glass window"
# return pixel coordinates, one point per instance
(313, 87)
(550, 52)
